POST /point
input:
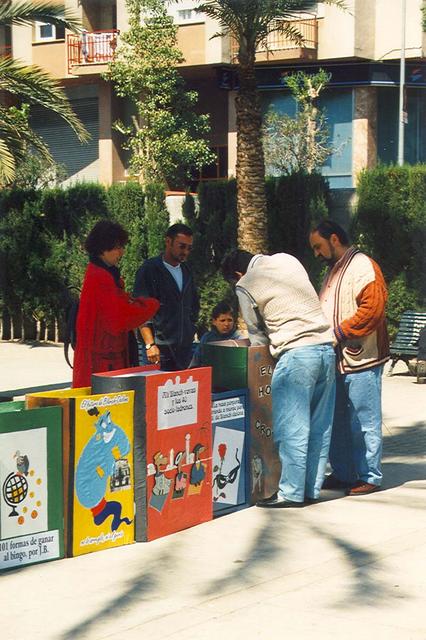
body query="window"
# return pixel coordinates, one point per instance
(218, 170)
(184, 13)
(46, 32)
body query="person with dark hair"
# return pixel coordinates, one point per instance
(106, 313)
(281, 309)
(222, 321)
(327, 228)
(353, 297)
(169, 334)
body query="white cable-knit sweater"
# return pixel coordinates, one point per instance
(278, 301)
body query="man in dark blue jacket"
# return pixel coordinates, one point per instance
(169, 334)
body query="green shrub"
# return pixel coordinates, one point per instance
(390, 225)
(294, 203)
(126, 205)
(212, 289)
(401, 298)
(214, 223)
(156, 218)
(383, 225)
(417, 213)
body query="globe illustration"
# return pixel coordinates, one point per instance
(15, 489)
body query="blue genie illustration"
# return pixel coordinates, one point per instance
(96, 465)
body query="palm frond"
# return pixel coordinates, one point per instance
(27, 12)
(32, 85)
(7, 164)
(250, 21)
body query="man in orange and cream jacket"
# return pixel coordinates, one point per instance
(353, 298)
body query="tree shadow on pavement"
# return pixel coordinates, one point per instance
(144, 587)
(406, 441)
(404, 455)
(262, 551)
(365, 588)
(396, 474)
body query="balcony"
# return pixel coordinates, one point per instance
(90, 50)
(278, 46)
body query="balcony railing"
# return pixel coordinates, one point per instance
(89, 48)
(276, 41)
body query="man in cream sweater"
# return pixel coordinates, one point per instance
(281, 308)
(353, 297)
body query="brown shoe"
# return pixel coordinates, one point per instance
(362, 488)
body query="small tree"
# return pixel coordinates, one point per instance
(37, 172)
(299, 144)
(166, 138)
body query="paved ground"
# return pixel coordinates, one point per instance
(347, 567)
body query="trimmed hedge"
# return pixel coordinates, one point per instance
(41, 235)
(293, 203)
(41, 254)
(390, 225)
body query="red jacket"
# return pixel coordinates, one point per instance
(106, 314)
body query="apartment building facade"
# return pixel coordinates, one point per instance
(359, 47)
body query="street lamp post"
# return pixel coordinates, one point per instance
(402, 114)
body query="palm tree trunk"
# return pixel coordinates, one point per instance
(22, 326)
(250, 170)
(38, 330)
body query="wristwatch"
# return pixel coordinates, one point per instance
(148, 346)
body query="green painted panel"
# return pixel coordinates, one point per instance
(31, 506)
(16, 405)
(229, 365)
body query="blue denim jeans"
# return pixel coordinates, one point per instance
(303, 393)
(356, 441)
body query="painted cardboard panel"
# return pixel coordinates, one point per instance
(31, 508)
(127, 380)
(99, 479)
(14, 405)
(103, 498)
(63, 398)
(173, 427)
(265, 465)
(230, 423)
(252, 367)
(179, 453)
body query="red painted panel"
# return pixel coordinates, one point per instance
(179, 450)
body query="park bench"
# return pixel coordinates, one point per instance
(406, 343)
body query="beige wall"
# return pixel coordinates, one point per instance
(22, 37)
(370, 29)
(336, 32)
(122, 18)
(51, 57)
(191, 41)
(217, 49)
(389, 26)
(365, 29)
(110, 166)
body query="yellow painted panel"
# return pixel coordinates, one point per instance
(103, 492)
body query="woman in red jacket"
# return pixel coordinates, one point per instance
(106, 312)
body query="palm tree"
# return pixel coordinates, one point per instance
(249, 22)
(30, 85)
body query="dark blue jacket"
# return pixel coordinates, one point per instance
(174, 323)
